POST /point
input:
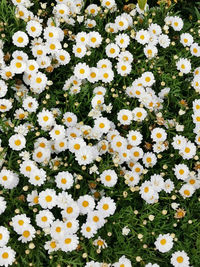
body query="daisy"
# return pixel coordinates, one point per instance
(123, 261)
(109, 178)
(180, 259)
(150, 51)
(88, 229)
(39, 50)
(7, 256)
(181, 171)
(28, 233)
(123, 68)
(188, 151)
(106, 206)
(134, 138)
(17, 142)
(2, 205)
(3, 88)
(32, 198)
(112, 50)
(104, 64)
(187, 190)
(68, 242)
(5, 105)
(71, 210)
(183, 65)
(155, 29)
(61, 10)
(4, 236)
(33, 28)
(142, 37)
(158, 135)
(86, 204)
(96, 218)
(37, 176)
(164, 40)
(81, 71)
(44, 218)
(94, 39)
(26, 167)
(38, 80)
(136, 153)
(106, 75)
(85, 155)
(124, 116)
(147, 79)
(64, 180)
(71, 226)
(164, 243)
(76, 144)
(139, 114)
(63, 57)
(186, 39)
(57, 229)
(168, 186)
(45, 119)
(121, 23)
(177, 23)
(149, 159)
(47, 199)
(122, 40)
(94, 75)
(58, 132)
(41, 155)
(20, 39)
(100, 243)
(92, 9)
(179, 142)
(30, 104)
(90, 23)
(82, 38)
(102, 125)
(51, 246)
(18, 66)
(131, 178)
(108, 3)
(79, 50)
(195, 49)
(118, 143)
(126, 56)
(157, 182)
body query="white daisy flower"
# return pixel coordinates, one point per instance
(64, 180)
(4, 236)
(44, 218)
(106, 206)
(187, 190)
(109, 178)
(164, 243)
(7, 256)
(183, 65)
(20, 39)
(180, 259)
(112, 50)
(86, 204)
(47, 199)
(81, 71)
(68, 242)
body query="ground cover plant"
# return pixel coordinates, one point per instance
(99, 133)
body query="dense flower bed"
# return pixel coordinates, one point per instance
(100, 130)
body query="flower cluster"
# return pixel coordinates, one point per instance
(86, 123)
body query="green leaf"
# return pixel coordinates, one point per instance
(142, 4)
